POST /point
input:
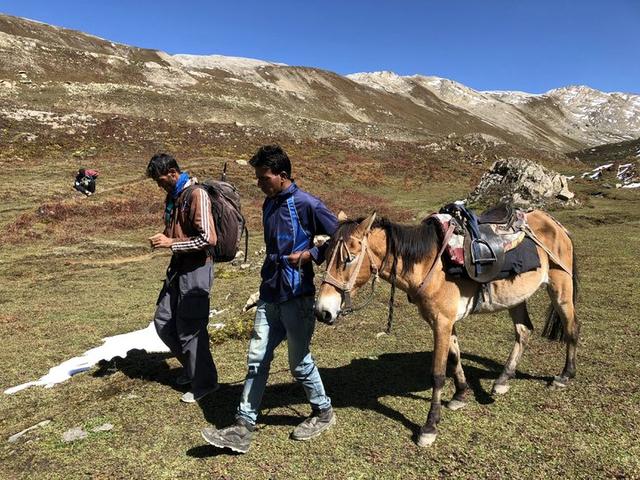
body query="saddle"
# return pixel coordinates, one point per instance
(487, 237)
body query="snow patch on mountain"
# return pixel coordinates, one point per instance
(513, 97)
(609, 117)
(385, 80)
(236, 65)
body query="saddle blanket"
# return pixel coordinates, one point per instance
(521, 259)
(521, 253)
(454, 252)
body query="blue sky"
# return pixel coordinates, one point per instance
(526, 45)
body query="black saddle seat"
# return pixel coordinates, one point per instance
(501, 214)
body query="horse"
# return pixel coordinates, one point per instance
(410, 256)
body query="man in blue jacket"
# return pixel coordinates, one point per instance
(291, 218)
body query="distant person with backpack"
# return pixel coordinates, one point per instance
(291, 218)
(182, 311)
(85, 181)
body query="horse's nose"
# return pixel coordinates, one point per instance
(324, 316)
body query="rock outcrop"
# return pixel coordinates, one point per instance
(522, 183)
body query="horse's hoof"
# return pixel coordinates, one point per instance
(559, 382)
(455, 405)
(500, 389)
(426, 439)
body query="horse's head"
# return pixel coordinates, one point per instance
(349, 266)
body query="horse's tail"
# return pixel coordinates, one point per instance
(553, 329)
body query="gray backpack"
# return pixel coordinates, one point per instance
(227, 214)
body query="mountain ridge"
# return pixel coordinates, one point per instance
(580, 105)
(49, 68)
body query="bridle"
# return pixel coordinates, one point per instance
(346, 287)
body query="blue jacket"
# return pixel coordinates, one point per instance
(291, 219)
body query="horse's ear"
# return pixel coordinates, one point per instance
(342, 217)
(365, 226)
(372, 218)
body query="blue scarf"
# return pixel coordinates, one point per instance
(171, 199)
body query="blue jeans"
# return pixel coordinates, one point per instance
(274, 322)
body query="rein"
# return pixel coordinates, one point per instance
(394, 267)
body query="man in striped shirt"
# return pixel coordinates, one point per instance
(182, 312)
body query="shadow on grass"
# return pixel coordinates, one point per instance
(363, 382)
(142, 365)
(360, 384)
(206, 451)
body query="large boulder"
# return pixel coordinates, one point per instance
(522, 183)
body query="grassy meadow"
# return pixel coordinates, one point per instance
(75, 270)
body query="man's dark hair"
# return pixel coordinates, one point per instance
(272, 157)
(160, 164)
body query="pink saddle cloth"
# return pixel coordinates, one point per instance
(454, 250)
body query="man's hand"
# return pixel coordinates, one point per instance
(160, 240)
(299, 258)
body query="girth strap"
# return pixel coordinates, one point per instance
(555, 259)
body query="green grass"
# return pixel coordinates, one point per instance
(61, 295)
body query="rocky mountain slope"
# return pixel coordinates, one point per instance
(65, 79)
(628, 151)
(574, 113)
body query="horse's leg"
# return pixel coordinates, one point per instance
(455, 367)
(442, 328)
(523, 327)
(561, 292)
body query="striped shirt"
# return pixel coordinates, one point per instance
(191, 223)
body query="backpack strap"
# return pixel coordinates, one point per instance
(299, 234)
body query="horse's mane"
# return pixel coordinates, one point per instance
(411, 243)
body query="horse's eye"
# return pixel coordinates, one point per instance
(349, 259)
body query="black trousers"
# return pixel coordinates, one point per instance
(85, 185)
(181, 319)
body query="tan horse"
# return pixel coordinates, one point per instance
(362, 248)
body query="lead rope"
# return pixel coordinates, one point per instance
(393, 294)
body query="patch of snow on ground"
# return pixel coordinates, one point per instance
(597, 172)
(117, 346)
(625, 173)
(622, 169)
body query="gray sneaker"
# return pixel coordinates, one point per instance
(314, 425)
(189, 397)
(237, 437)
